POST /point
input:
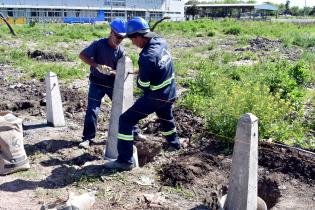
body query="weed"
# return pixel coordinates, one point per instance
(199, 34)
(211, 33)
(29, 174)
(233, 31)
(180, 190)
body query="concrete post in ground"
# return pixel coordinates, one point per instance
(55, 116)
(121, 101)
(242, 192)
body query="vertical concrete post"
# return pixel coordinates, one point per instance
(242, 193)
(121, 101)
(55, 116)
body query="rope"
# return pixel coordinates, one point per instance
(158, 99)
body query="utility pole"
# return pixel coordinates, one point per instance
(305, 9)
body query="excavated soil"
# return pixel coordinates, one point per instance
(48, 56)
(263, 47)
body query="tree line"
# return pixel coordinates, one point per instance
(283, 9)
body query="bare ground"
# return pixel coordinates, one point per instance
(194, 178)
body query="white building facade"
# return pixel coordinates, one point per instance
(73, 11)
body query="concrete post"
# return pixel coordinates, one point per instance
(55, 116)
(242, 193)
(121, 101)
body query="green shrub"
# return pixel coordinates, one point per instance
(32, 23)
(211, 33)
(301, 73)
(199, 34)
(304, 40)
(233, 31)
(222, 94)
(210, 46)
(134, 58)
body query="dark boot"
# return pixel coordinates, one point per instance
(119, 166)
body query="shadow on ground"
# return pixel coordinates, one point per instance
(59, 178)
(49, 146)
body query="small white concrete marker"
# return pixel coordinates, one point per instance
(122, 100)
(242, 192)
(55, 116)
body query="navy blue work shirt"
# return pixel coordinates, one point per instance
(156, 69)
(103, 54)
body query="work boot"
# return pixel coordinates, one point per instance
(139, 137)
(173, 146)
(119, 166)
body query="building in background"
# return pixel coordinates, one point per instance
(82, 11)
(242, 11)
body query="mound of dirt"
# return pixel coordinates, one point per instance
(287, 161)
(187, 124)
(261, 43)
(181, 171)
(261, 46)
(41, 55)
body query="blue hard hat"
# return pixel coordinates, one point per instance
(118, 25)
(137, 25)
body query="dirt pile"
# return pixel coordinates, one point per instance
(262, 47)
(287, 161)
(49, 56)
(261, 43)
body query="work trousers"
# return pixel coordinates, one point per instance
(144, 106)
(95, 95)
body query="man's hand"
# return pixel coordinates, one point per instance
(136, 71)
(105, 69)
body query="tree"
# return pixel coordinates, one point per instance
(308, 10)
(287, 7)
(191, 2)
(312, 11)
(193, 11)
(281, 9)
(295, 11)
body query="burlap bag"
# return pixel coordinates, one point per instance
(12, 154)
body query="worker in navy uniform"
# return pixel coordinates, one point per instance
(102, 56)
(156, 79)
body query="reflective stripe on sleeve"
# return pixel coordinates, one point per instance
(163, 84)
(143, 84)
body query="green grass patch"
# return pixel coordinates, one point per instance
(271, 91)
(38, 69)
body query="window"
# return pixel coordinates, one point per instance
(10, 12)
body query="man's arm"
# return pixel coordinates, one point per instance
(144, 74)
(101, 68)
(86, 59)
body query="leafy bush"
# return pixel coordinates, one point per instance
(211, 33)
(301, 73)
(304, 40)
(270, 91)
(233, 31)
(32, 23)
